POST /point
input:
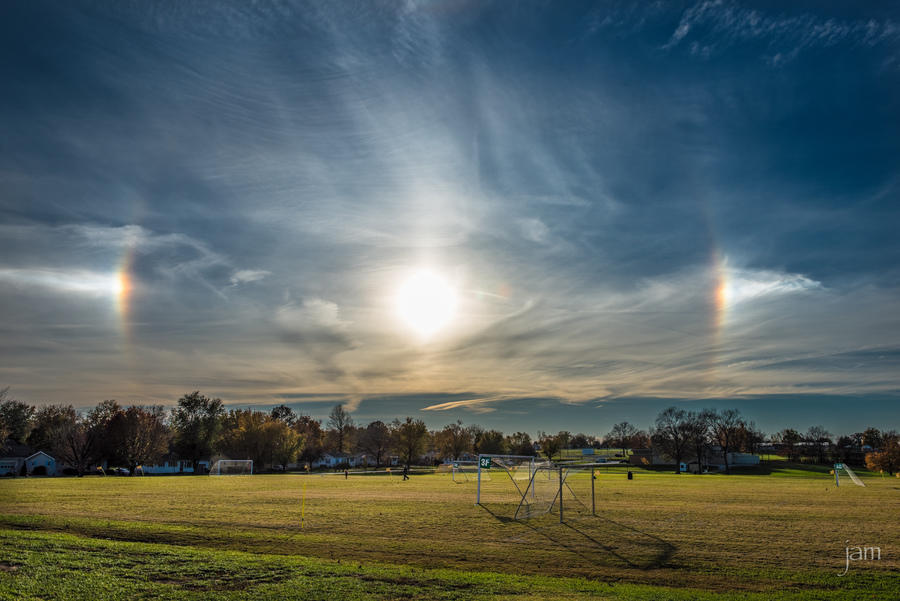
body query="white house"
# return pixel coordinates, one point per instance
(40, 464)
(176, 466)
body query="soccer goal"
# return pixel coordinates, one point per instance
(503, 478)
(232, 467)
(568, 490)
(843, 466)
(461, 472)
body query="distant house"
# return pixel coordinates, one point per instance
(176, 466)
(20, 460)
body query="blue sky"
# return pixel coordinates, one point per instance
(631, 205)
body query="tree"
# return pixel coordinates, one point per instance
(284, 414)
(520, 444)
(196, 422)
(670, 434)
(640, 440)
(339, 422)
(99, 419)
(408, 438)
(313, 438)
(75, 441)
(45, 425)
(492, 442)
(726, 427)
(454, 440)
(888, 458)
(15, 418)
(245, 436)
(751, 438)
(285, 442)
(696, 429)
(139, 435)
(872, 438)
(821, 440)
(620, 435)
(789, 439)
(550, 444)
(375, 440)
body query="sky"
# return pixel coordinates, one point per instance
(528, 215)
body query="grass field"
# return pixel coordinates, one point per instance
(659, 536)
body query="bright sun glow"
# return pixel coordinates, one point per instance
(426, 303)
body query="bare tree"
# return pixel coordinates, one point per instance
(697, 426)
(789, 439)
(670, 434)
(340, 422)
(726, 428)
(75, 441)
(620, 435)
(821, 441)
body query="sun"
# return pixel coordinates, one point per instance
(426, 303)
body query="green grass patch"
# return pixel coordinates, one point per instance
(660, 535)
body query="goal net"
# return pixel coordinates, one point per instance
(503, 478)
(461, 472)
(566, 490)
(232, 467)
(843, 466)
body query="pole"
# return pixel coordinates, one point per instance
(593, 504)
(478, 489)
(303, 504)
(837, 479)
(560, 495)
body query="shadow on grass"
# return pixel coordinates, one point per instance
(593, 539)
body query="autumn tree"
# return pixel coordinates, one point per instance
(551, 444)
(520, 444)
(408, 439)
(196, 424)
(285, 442)
(888, 458)
(285, 414)
(15, 418)
(491, 442)
(313, 438)
(46, 423)
(139, 435)
(244, 436)
(375, 441)
(454, 440)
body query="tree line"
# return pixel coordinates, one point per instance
(199, 428)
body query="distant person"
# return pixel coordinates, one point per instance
(346, 474)
(406, 472)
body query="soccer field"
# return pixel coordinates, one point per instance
(659, 536)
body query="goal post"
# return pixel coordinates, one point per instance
(232, 467)
(515, 468)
